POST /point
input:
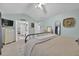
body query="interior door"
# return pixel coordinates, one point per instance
(22, 29)
(37, 27)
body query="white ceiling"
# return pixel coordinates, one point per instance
(29, 9)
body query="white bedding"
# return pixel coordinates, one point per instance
(51, 45)
(32, 42)
(60, 46)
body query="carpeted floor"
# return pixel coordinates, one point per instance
(13, 49)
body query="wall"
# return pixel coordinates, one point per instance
(0, 34)
(21, 17)
(68, 32)
(17, 17)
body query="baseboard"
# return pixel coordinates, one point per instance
(8, 43)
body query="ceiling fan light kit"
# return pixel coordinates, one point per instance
(41, 6)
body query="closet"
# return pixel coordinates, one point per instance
(8, 31)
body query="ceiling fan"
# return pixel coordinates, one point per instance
(40, 6)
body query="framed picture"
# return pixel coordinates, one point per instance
(69, 22)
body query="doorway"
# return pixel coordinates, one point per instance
(22, 30)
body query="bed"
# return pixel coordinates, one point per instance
(51, 45)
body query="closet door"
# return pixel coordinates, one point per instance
(9, 35)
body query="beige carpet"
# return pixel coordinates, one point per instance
(14, 49)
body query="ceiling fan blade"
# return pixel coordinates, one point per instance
(37, 5)
(44, 9)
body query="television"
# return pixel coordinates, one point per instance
(6, 22)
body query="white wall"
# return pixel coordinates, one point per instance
(69, 32)
(22, 17)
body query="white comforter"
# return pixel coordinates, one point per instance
(51, 45)
(59, 46)
(32, 42)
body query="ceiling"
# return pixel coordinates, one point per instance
(36, 13)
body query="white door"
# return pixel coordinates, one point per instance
(21, 29)
(37, 27)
